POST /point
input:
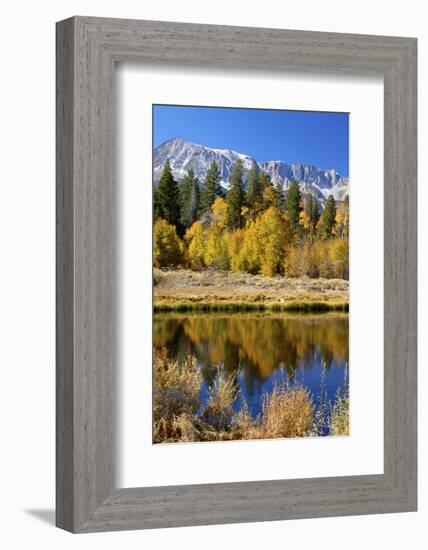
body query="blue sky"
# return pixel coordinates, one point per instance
(306, 137)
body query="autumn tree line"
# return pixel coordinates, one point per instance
(260, 230)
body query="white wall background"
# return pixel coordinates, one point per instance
(27, 272)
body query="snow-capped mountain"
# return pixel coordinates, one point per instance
(184, 155)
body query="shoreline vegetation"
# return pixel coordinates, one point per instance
(289, 411)
(183, 290)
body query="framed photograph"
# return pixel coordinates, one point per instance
(246, 254)
(236, 274)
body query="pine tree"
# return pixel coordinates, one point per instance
(329, 217)
(315, 212)
(189, 199)
(311, 215)
(307, 204)
(254, 191)
(264, 181)
(235, 197)
(166, 197)
(194, 201)
(292, 204)
(279, 196)
(269, 196)
(211, 188)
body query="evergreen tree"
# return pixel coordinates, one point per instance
(254, 191)
(194, 200)
(308, 204)
(211, 188)
(189, 199)
(315, 212)
(279, 196)
(292, 204)
(235, 196)
(269, 196)
(310, 215)
(329, 217)
(166, 197)
(264, 181)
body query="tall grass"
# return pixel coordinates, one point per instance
(287, 412)
(175, 398)
(179, 416)
(218, 410)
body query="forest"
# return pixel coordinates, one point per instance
(257, 228)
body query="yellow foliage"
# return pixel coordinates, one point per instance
(339, 256)
(342, 220)
(235, 244)
(216, 252)
(327, 259)
(266, 246)
(167, 247)
(196, 239)
(260, 247)
(249, 254)
(220, 209)
(305, 220)
(269, 197)
(271, 238)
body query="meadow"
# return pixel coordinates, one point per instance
(211, 290)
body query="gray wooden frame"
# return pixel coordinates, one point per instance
(87, 50)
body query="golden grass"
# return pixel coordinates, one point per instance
(287, 412)
(178, 416)
(219, 408)
(185, 290)
(175, 397)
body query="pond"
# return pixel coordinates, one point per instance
(262, 349)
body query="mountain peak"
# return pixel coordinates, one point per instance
(185, 155)
(174, 140)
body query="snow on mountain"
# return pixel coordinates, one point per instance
(184, 155)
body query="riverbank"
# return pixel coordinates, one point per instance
(185, 290)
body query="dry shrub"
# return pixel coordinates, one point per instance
(339, 419)
(243, 426)
(287, 412)
(176, 428)
(218, 409)
(176, 388)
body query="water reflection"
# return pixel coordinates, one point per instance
(261, 349)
